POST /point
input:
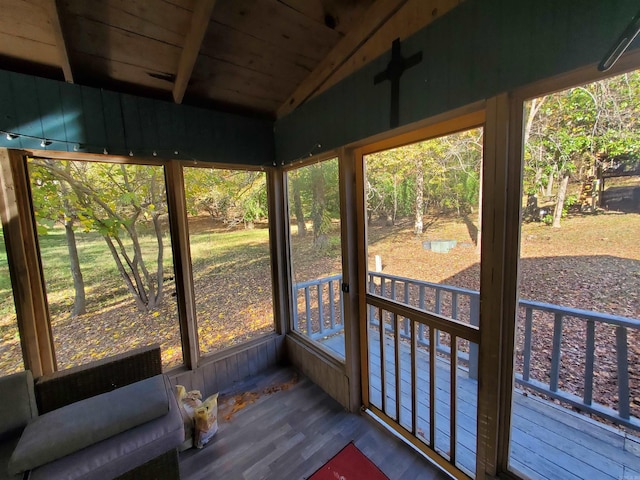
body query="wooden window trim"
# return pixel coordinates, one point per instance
(25, 265)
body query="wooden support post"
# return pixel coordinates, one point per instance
(181, 248)
(284, 302)
(24, 264)
(353, 271)
(502, 180)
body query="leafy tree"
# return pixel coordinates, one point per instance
(567, 132)
(53, 205)
(296, 201)
(114, 200)
(314, 195)
(231, 196)
(440, 174)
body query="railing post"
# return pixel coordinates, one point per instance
(554, 375)
(307, 305)
(372, 290)
(320, 309)
(436, 340)
(421, 305)
(405, 322)
(526, 364)
(623, 372)
(295, 308)
(474, 319)
(341, 295)
(454, 305)
(588, 363)
(332, 307)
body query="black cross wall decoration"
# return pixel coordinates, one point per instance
(395, 68)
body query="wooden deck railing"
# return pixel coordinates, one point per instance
(323, 312)
(621, 415)
(464, 305)
(457, 303)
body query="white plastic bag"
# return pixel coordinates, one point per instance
(206, 421)
(188, 402)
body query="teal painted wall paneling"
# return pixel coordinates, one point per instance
(85, 119)
(461, 51)
(163, 122)
(116, 144)
(477, 50)
(511, 66)
(485, 59)
(50, 108)
(23, 91)
(71, 100)
(94, 121)
(200, 135)
(179, 129)
(148, 126)
(435, 44)
(7, 110)
(131, 121)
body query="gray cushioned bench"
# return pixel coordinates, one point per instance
(131, 430)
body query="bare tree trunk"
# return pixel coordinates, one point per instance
(318, 208)
(395, 199)
(297, 206)
(536, 103)
(80, 301)
(157, 300)
(562, 193)
(123, 273)
(549, 191)
(418, 225)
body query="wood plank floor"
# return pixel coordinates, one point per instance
(548, 441)
(291, 433)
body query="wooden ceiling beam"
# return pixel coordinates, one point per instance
(52, 8)
(193, 41)
(374, 18)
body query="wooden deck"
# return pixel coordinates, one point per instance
(291, 433)
(548, 441)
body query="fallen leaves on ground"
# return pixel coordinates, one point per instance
(229, 406)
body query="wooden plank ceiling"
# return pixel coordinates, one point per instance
(264, 57)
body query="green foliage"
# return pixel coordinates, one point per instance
(310, 179)
(451, 166)
(571, 129)
(115, 200)
(230, 196)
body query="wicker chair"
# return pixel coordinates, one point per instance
(67, 386)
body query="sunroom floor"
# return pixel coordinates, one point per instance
(280, 425)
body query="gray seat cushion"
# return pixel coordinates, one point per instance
(85, 423)
(119, 454)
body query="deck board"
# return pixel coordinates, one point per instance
(548, 441)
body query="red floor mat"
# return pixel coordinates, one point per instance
(349, 464)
